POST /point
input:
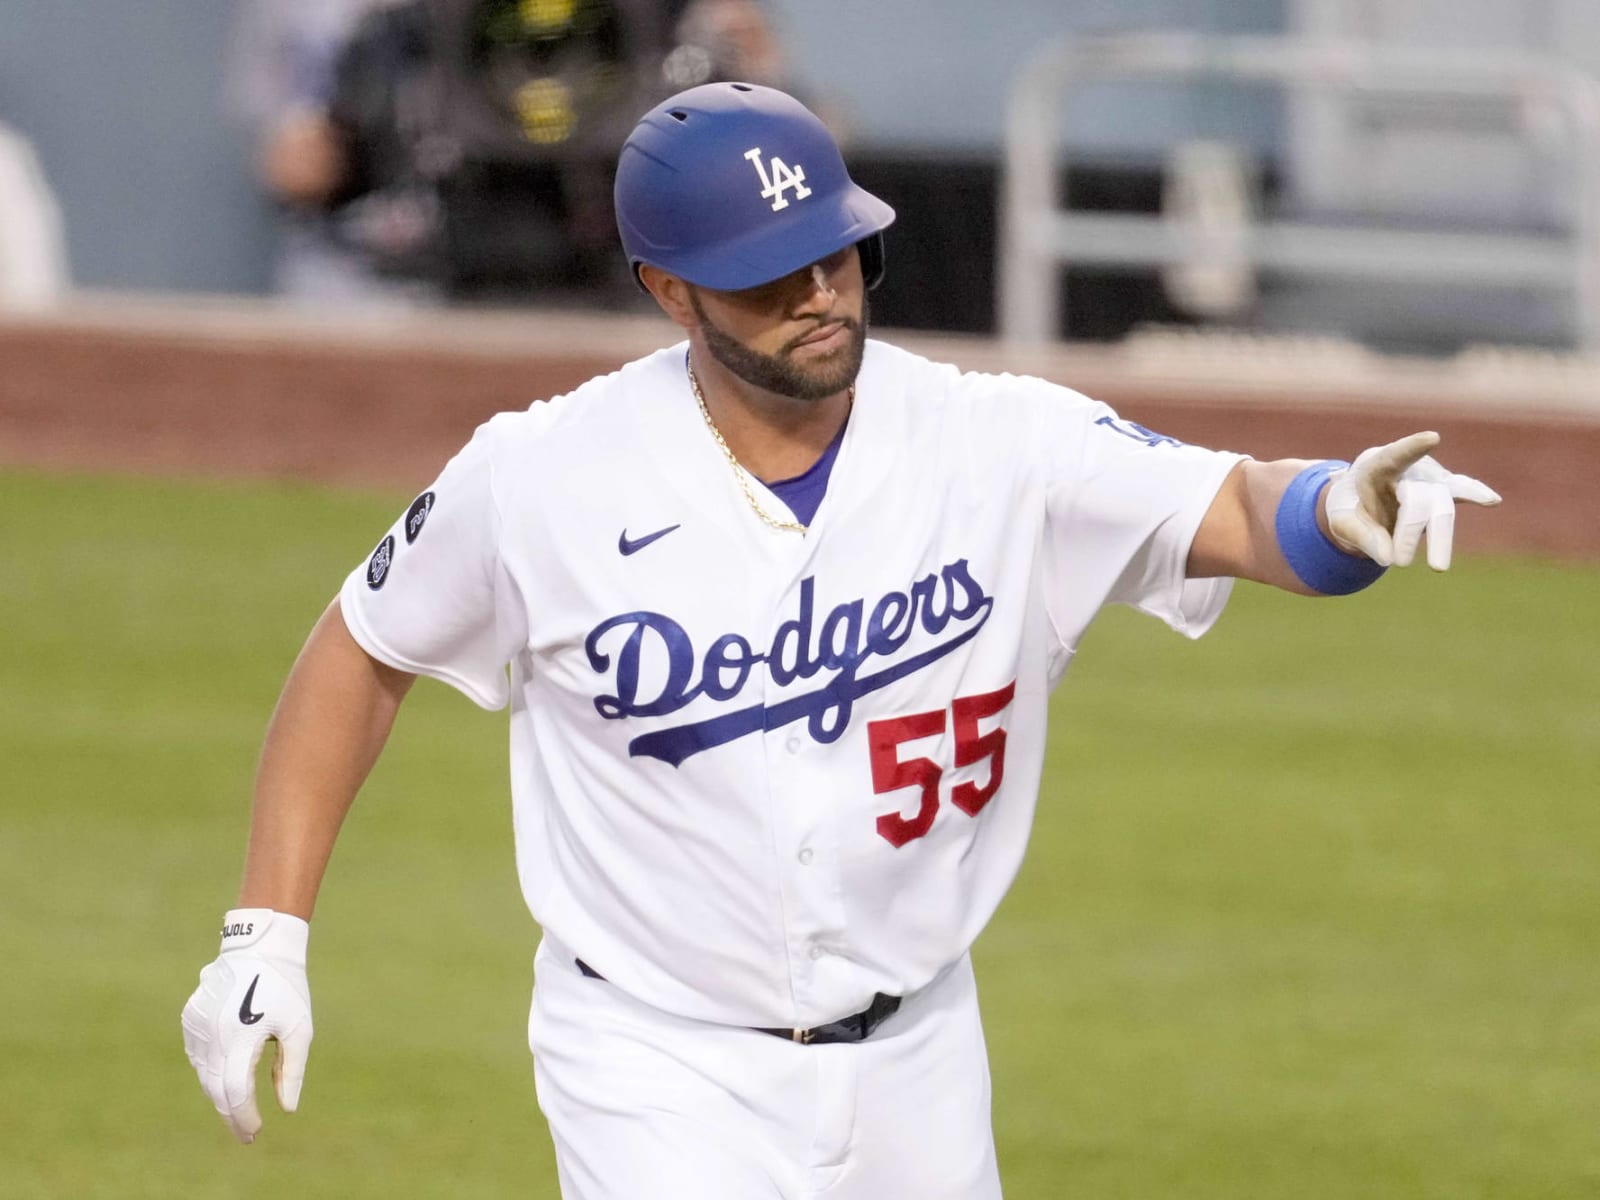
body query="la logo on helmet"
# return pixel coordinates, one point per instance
(782, 178)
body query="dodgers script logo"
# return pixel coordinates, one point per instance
(783, 178)
(947, 604)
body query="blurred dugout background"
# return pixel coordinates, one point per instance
(125, 106)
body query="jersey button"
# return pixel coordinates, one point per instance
(817, 952)
(805, 857)
(793, 744)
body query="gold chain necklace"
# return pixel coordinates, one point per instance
(739, 472)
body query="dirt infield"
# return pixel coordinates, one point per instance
(226, 389)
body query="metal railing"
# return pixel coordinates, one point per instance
(1039, 236)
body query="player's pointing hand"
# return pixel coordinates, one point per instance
(1391, 495)
(254, 992)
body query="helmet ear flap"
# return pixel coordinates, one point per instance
(872, 260)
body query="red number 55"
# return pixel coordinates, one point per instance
(890, 772)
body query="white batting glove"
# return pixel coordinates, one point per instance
(255, 992)
(1391, 495)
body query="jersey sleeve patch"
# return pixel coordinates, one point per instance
(378, 565)
(435, 597)
(1136, 432)
(417, 516)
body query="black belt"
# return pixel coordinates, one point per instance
(857, 1027)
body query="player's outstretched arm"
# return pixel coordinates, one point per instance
(1327, 528)
(330, 724)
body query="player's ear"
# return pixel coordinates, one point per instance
(671, 293)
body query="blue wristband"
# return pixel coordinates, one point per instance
(1316, 561)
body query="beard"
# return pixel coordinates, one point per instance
(781, 374)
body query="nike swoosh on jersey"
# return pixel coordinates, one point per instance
(246, 1017)
(628, 545)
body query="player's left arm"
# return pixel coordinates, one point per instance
(1320, 528)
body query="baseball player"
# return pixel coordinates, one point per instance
(777, 611)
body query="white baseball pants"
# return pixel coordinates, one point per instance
(643, 1105)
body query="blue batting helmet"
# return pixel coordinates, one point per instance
(730, 185)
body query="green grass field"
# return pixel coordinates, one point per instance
(1312, 910)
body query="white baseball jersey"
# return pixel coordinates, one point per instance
(759, 776)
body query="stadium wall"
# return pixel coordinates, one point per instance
(243, 389)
